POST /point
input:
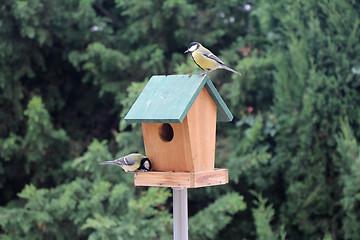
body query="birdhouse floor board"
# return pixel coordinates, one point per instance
(182, 179)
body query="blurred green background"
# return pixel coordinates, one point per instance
(70, 70)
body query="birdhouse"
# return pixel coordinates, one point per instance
(178, 114)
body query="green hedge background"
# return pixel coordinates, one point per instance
(70, 70)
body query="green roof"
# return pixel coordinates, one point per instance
(168, 98)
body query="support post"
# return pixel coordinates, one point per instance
(180, 213)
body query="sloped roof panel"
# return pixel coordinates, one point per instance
(169, 98)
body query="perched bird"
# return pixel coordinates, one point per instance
(205, 59)
(132, 163)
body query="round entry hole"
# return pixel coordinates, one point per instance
(166, 132)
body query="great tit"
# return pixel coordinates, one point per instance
(205, 59)
(133, 162)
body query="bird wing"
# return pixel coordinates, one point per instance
(126, 160)
(210, 55)
(130, 159)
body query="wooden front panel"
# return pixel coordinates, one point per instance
(192, 145)
(174, 155)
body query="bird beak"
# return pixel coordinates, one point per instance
(107, 162)
(186, 51)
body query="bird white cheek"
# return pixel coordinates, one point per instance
(192, 48)
(146, 165)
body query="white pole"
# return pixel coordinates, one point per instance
(180, 213)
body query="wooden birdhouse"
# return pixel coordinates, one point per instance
(178, 114)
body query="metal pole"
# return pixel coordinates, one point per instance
(180, 213)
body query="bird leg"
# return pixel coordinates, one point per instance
(205, 72)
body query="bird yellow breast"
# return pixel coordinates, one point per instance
(130, 168)
(204, 62)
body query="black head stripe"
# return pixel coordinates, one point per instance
(194, 44)
(142, 164)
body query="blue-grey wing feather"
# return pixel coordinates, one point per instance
(210, 55)
(125, 160)
(130, 159)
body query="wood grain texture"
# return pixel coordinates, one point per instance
(192, 148)
(182, 179)
(168, 156)
(201, 120)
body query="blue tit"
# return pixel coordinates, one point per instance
(133, 162)
(205, 59)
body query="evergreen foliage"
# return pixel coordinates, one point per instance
(70, 71)
(263, 215)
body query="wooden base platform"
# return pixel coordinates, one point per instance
(182, 179)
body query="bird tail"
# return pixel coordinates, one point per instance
(107, 162)
(230, 69)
